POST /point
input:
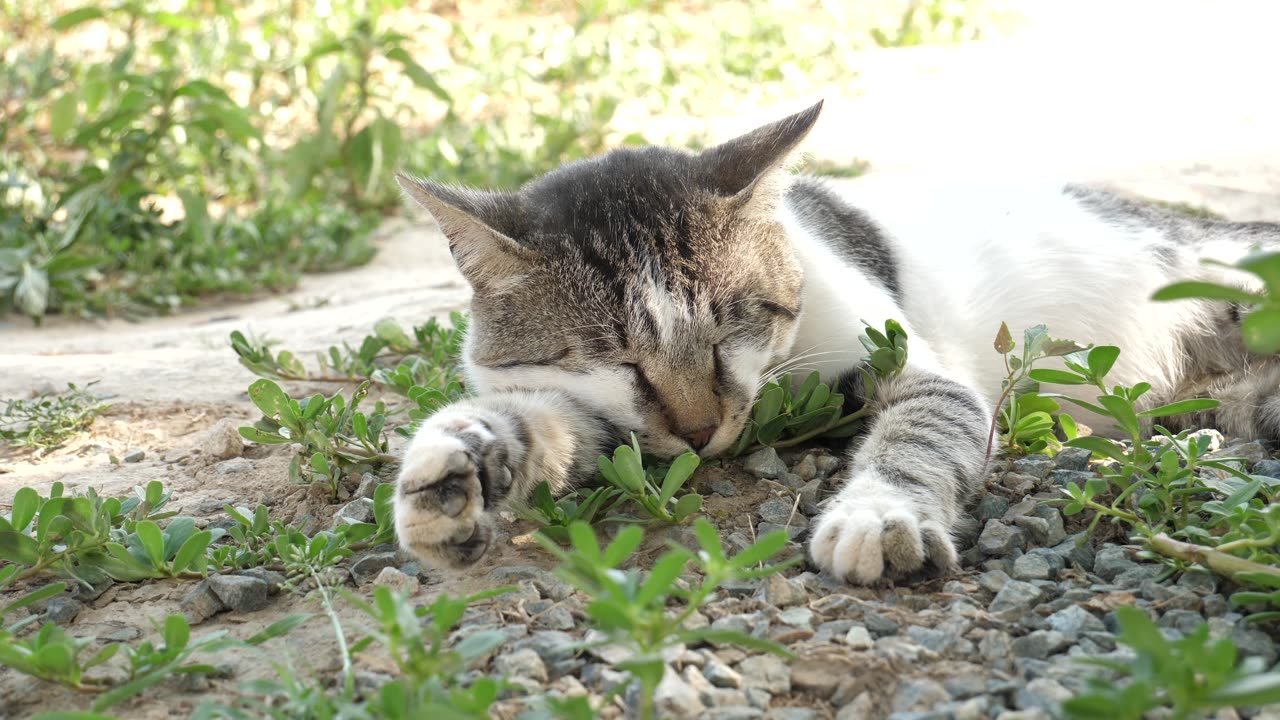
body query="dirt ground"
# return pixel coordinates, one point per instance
(1169, 102)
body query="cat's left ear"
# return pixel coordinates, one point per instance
(752, 168)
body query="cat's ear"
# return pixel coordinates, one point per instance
(480, 226)
(752, 169)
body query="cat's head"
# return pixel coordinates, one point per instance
(655, 284)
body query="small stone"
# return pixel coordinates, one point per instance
(1076, 550)
(556, 618)
(991, 507)
(721, 675)
(396, 581)
(1254, 642)
(1063, 478)
(782, 592)
(234, 466)
(827, 465)
(793, 481)
(222, 441)
(809, 495)
(676, 698)
(525, 663)
(515, 573)
(791, 713)
(723, 487)
(993, 580)
(1072, 458)
(765, 464)
(879, 625)
(766, 672)
(1073, 621)
(62, 609)
(1215, 439)
(1267, 467)
(999, 539)
(807, 468)
(368, 485)
(1016, 595)
(133, 456)
(1019, 484)
(780, 511)
(356, 511)
(793, 530)
(1042, 694)
(1055, 531)
(1032, 567)
(200, 604)
(819, 675)
(920, 694)
(733, 712)
(1251, 452)
(1034, 465)
(127, 633)
(368, 567)
(241, 592)
(800, 617)
(1111, 561)
(858, 638)
(862, 707)
(1040, 644)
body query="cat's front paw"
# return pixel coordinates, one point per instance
(871, 534)
(453, 472)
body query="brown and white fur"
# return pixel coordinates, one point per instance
(653, 290)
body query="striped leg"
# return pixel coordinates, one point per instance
(907, 482)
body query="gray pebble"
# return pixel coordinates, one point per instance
(200, 603)
(733, 712)
(241, 593)
(791, 713)
(991, 507)
(779, 512)
(1034, 465)
(721, 675)
(524, 662)
(858, 638)
(766, 672)
(513, 573)
(1055, 532)
(1111, 561)
(879, 625)
(396, 581)
(999, 539)
(234, 466)
(133, 456)
(556, 618)
(1032, 567)
(800, 617)
(1267, 467)
(356, 511)
(1040, 644)
(62, 609)
(807, 468)
(1016, 595)
(1073, 621)
(367, 568)
(919, 694)
(723, 487)
(782, 592)
(1072, 459)
(794, 530)
(827, 465)
(810, 495)
(1042, 694)
(1254, 642)
(1063, 478)
(765, 464)
(993, 580)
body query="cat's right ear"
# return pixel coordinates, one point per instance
(480, 227)
(752, 169)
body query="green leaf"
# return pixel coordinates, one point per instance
(33, 597)
(763, 549)
(152, 542)
(688, 505)
(278, 628)
(1102, 358)
(681, 469)
(253, 434)
(630, 471)
(662, 577)
(1180, 407)
(62, 114)
(25, 503)
(418, 74)
(79, 16)
(1261, 330)
(176, 634)
(734, 637)
(270, 399)
(1121, 410)
(1252, 691)
(1205, 290)
(193, 549)
(767, 407)
(624, 544)
(1098, 446)
(1056, 377)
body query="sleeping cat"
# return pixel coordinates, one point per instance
(653, 290)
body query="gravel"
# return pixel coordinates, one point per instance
(241, 593)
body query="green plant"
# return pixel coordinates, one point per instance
(1191, 677)
(337, 439)
(631, 608)
(658, 501)
(1261, 324)
(584, 505)
(783, 418)
(49, 420)
(1025, 420)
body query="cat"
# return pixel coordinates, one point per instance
(653, 290)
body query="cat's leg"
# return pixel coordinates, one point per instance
(907, 481)
(473, 455)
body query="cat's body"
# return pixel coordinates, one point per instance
(651, 292)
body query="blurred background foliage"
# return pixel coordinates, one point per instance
(156, 152)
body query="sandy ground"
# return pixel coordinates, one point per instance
(1172, 100)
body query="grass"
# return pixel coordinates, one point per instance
(46, 422)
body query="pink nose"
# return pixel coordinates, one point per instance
(698, 439)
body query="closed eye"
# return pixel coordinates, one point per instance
(642, 381)
(776, 309)
(547, 361)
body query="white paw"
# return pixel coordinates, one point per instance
(441, 490)
(871, 533)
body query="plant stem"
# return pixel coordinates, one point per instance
(1211, 558)
(847, 419)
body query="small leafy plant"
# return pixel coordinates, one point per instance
(658, 501)
(1261, 324)
(1025, 419)
(631, 608)
(782, 417)
(1190, 677)
(46, 422)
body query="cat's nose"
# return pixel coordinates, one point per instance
(698, 439)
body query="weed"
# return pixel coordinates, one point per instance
(1261, 323)
(1190, 677)
(1025, 418)
(631, 608)
(46, 422)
